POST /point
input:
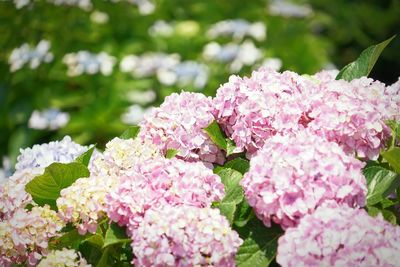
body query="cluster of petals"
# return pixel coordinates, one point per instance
(292, 175)
(160, 182)
(392, 94)
(121, 155)
(252, 110)
(353, 114)
(65, 257)
(179, 124)
(337, 235)
(83, 203)
(185, 236)
(25, 235)
(12, 192)
(41, 156)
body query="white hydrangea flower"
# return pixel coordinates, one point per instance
(184, 74)
(141, 97)
(21, 3)
(83, 4)
(41, 156)
(273, 63)
(99, 17)
(148, 64)
(287, 8)
(238, 29)
(121, 155)
(65, 258)
(134, 114)
(161, 28)
(51, 119)
(34, 56)
(89, 63)
(245, 54)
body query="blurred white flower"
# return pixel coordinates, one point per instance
(245, 54)
(21, 3)
(161, 28)
(86, 62)
(145, 7)
(83, 4)
(148, 64)
(272, 63)
(51, 119)
(184, 74)
(238, 29)
(141, 97)
(34, 56)
(134, 114)
(99, 17)
(5, 170)
(287, 8)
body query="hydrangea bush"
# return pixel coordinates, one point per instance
(277, 168)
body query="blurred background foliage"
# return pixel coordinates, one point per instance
(303, 36)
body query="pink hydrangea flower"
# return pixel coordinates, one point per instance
(159, 182)
(353, 114)
(65, 257)
(179, 124)
(292, 175)
(24, 237)
(392, 93)
(340, 236)
(83, 203)
(12, 192)
(252, 110)
(185, 236)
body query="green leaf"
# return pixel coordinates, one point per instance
(115, 235)
(96, 240)
(230, 147)
(387, 214)
(131, 132)
(244, 213)
(238, 164)
(71, 239)
(381, 182)
(260, 244)
(85, 157)
(103, 262)
(393, 157)
(171, 153)
(231, 180)
(214, 132)
(45, 188)
(364, 63)
(228, 210)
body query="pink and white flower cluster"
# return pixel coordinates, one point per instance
(179, 124)
(337, 235)
(292, 175)
(252, 110)
(185, 236)
(162, 182)
(65, 257)
(25, 235)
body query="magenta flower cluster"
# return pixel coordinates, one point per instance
(337, 235)
(179, 124)
(162, 182)
(292, 175)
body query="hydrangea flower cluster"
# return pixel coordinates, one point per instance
(252, 110)
(24, 236)
(160, 182)
(41, 156)
(340, 236)
(392, 93)
(148, 64)
(12, 192)
(353, 114)
(238, 29)
(83, 203)
(179, 124)
(121, 155)
(185, 236)
(291, 176)
(51, 119)
(87, 62)
(65, 257)
(26, 54)
(184, 74)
